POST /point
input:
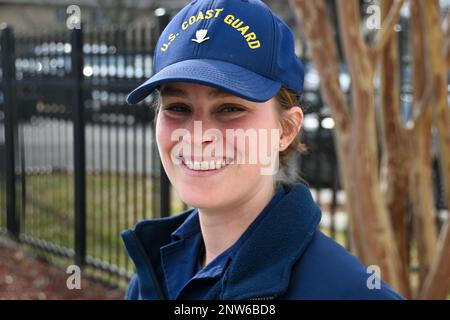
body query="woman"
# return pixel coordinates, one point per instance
(227, 116)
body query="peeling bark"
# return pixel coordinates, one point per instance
(437, 282)
(396, 163)
(377, 206)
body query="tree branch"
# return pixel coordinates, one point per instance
(362, 68)
(421, 106)
(387, 29)
(318, 31)
(437, 282)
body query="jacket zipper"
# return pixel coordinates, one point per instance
(144, 255)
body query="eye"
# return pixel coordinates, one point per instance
(177, 108)
(231, 108)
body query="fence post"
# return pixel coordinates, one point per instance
(165, 193)
(165, 210)
(79, 146)
(10, 110)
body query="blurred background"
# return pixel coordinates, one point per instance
(78, 165)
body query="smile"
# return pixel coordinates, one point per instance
(206, 165)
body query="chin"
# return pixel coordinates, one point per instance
(200, 196)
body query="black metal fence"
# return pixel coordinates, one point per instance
(77, 164)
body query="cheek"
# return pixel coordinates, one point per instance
(164, 130)
(264, 127)
(163, 138)
(269, 124)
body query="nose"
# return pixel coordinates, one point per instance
(202, 137)
(199, 126)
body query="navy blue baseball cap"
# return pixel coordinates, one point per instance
(238, 46)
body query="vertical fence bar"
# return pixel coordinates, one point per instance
(334, 204)
(135, 52)
(79, 146)
(11, 146)
(165, 210)
(120, 123)
(20, 157)
(164, 193)
(143, 49)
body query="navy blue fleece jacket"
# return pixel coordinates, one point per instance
(286, 257)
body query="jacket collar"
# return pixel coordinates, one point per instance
(143, 244)
(263, 266)
(281, 237)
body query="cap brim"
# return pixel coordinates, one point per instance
(215, 73)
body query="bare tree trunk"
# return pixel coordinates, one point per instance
(364, 154)
(318, 31)
(441, 114)
(424, 224)
(421, 175)
(357, 145)
(396, 164)
(437, 282)
(376, 215)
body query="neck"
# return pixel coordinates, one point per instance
(222, 227)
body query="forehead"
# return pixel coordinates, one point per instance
(183, 90)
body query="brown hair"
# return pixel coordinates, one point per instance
(287, 99)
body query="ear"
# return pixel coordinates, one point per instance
(289, 132)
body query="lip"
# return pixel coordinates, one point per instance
(194, 158)
(200, 173)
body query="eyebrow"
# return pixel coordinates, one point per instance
(169, 91)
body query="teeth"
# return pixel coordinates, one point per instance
(205, 165)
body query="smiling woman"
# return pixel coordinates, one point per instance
(227, 117)
(231, 147)
(284, 100)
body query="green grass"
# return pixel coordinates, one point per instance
(113, 203)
